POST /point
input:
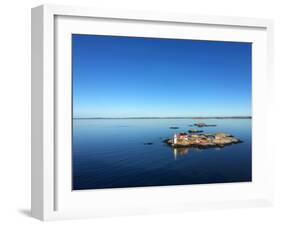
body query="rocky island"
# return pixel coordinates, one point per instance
(174, 127)
(195, 131)
(202, 140)
(201, 124)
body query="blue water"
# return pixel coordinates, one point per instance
(110, 153)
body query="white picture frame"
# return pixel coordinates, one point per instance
(52, 197)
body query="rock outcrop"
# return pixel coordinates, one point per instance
(203, 125)
(195, 131)
(174, 127)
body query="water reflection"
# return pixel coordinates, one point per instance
(184, 151)
(180, 152)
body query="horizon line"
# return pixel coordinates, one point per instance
(172, 117)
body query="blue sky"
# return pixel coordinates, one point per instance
(150, 77)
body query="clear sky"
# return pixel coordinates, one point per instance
(151, 77)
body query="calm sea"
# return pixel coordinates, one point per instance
(111, 153)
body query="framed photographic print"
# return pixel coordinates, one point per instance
(137, 112)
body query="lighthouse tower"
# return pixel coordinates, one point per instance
(175, 138)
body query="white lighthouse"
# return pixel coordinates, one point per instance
(175, 138)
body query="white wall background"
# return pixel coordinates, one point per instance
(15, 111)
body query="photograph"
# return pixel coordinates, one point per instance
(150, 111)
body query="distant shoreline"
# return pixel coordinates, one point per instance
(218, 117)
